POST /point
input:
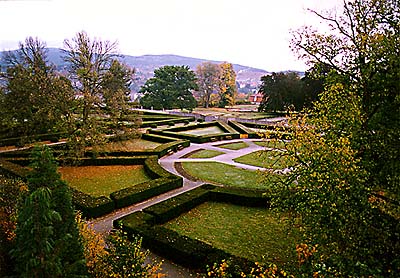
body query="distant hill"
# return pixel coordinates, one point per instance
(146, 64)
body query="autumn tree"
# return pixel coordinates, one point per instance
(35, 98)
(227, 85)
(345, 185)
(11, 192)
(171, 87)
(208, 75)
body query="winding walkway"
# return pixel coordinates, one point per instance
(105, 224)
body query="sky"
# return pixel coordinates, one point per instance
(253, 33)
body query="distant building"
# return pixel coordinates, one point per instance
(256, 98)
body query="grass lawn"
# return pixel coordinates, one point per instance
(273, 144)
(234, 146)
(265, 159)
(242, 231)
(211, 130)
(103, 180)
(205, 154)
(221, 173)
(131, 145)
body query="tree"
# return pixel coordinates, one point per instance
(89, 61)
(65, 246)
(116, 89)
(171, 87)
(35, 240)
(280, 91)
(227, 85)
(343, 189)
(11, 192)
(362, 50)
(35, 99)
(208, 75)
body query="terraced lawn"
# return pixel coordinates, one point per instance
(131, 145)
(273, 144)
(211, 130)
(205, 154)
(103, 180)
(266, 159)
(220, 173)
(234, 146)
(243, 231)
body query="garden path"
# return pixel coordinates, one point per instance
(105, 224)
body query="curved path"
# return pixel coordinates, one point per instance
(105, 224)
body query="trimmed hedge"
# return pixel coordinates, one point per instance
(90, 206)
(182, 203)
(145, 190)
(230, 133)
(13, 170)
(16, 141)
(182, 249)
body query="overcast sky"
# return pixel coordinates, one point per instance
(249, 32)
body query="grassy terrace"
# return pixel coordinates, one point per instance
(265, 159)
(205, 154)
(131, 145)
(220, 173)
(211, 130)
(234, 146)
(242, 231)
(103, 180)
(273, 144)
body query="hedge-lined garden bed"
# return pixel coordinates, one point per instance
(182, 249)
(176, 132)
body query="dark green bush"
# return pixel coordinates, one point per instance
(173, 207)
(13, 170)
(91, 207)
(145, 190)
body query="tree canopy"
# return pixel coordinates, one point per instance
(171, 87)
(345, 187)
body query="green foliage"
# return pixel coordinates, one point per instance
(35, 99)
(35, 241)
(348, 189)
(171, 87)
(125, 257)
(11, 193)
(286, 91)
(100, 81)
(64, 246)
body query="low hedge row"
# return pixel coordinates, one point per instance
(173, 207)
(145, 190)
(19, 141)
(13, 170)
(153, 168)
(181, 249)
(243, 129)
(92, 207)
(168, 121)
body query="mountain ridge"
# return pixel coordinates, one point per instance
(146, 64)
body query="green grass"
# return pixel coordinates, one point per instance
(234, 146)
(211, 130)
(205, 154)
(131, 145)
(265, 159)
(225, 174)
(273, 144)
(242, 231)
(103, 180)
